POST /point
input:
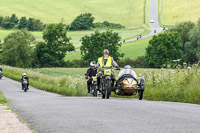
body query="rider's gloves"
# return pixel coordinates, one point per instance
(118, 68)
(86, 77)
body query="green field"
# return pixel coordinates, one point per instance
(129, 13)
(176, 11)
(178, 85)
(77, 35)
(131, 50)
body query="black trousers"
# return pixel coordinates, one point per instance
(89, 83)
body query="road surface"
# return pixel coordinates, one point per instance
(52, 113)
(153, 15)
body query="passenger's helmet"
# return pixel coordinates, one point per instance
(127, 67)
(105, 51)
(24, 74)
(93, 64)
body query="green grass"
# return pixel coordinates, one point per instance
(134, 49)
(176, 11)
(129, 13)
(177, 85)
(2, 98)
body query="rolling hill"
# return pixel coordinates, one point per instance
(129, 13)
(176, 11)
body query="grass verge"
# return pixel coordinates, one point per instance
(3, 99)
(176, 85)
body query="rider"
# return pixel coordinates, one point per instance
(90, 72)
(107, 61)
(1, 70)
(23, 78)
(127, 70)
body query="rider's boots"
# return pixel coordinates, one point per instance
(88, 89)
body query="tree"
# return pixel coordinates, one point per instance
(163, 49)
(52, 51)
(93, 46)
(1, 20)
(17, 49)
(14, 19)
(183, 30)
(192, 47)
(82, 22)
(37, 25)
(22, 23)
(30, 24)
(6, 23)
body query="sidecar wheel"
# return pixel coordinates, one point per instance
(140, 94)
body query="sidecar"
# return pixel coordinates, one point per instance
(127, 85)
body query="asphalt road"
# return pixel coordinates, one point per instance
(52, 113)
(153, 15)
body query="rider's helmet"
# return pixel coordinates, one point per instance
(24, 74)
(105, 51)
(93, 64)
(127, 67)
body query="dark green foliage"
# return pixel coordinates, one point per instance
(14, 19)
(31, 24)
(7, 24)
(82, 22)
(17, 49)
(53, 50)
(1, 20)
(183, 30)
(192, 47)
(22, 23)
(77, 64)
(139, 62)
(108, 25)
(163, 49)
(93, 46)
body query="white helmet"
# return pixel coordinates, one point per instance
(127, 67)
(93, 64)
(105, 51)
(24, 74)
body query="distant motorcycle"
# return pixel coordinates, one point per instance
(1, 74)
(25, 85)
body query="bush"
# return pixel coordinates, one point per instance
(139, 62)
(163, 49)
(108, 25)
(82, 22)
(77, 64)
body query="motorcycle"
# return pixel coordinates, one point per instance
(127, 85)
(94, 86)
(105, 81)
(1, 74)
(25, 85)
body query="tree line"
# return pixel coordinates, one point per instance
(13, 22)
(82, 22)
